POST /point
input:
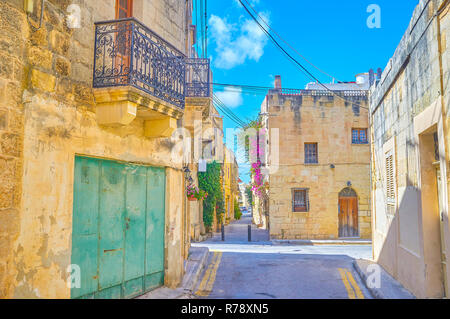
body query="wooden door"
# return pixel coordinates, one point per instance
(124, 9)
(348, 217)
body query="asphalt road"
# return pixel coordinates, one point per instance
(239, 269)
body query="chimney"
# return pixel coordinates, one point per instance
(277, 83)
(371, 77)
(379, 73)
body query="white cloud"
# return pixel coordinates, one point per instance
(234, 45)
(231, 97)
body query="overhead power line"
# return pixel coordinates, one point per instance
(287, 43)
(227, 112)
(292, 59)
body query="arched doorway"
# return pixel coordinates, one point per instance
(348, 213)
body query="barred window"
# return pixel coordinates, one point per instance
(359, 136)
(300, 200)
(311, 156)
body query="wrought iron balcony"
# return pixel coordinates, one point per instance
(198, 78)
(127, 53)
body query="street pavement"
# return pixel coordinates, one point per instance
(238, 269)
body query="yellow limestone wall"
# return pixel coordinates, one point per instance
(47, 116)
(328, 121)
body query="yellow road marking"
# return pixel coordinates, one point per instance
(350, 284)
(205, 287)
(206, 276)
(350, 292)
(358, 291)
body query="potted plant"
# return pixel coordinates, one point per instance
(193, 193)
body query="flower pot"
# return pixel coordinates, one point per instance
(192, 199)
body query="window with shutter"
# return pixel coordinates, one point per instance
(390, 184)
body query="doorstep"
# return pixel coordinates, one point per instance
(195, 264)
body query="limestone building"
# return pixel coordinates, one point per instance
(92, 188)
(410, 145)
(318, 160)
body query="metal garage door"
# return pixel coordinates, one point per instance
(118, 228)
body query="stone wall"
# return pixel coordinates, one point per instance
(328, 121)
(407, 105)
(13, 81)
(47, 116)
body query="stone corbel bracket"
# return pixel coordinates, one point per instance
(119, 106)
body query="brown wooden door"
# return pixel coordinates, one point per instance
(348, 217)
(124, 9)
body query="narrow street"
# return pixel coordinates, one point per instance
(261, 270)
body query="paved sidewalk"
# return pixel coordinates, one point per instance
(198, 257)
(315, 242)
(388, 287)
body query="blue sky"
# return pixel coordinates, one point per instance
(332, 34)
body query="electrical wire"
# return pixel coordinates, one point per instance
(226, 111)
(219, 104)
(287, 43)
(292, 59)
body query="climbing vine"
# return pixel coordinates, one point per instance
(254, 147)
(209, 181)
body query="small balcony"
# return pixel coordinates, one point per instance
(198, 78)
(137, 74)
(198, 90)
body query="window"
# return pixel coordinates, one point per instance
(311, 153)
(436, 146)
(359, 136)
(300, 200)
(390, 184)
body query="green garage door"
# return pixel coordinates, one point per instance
(118, 228)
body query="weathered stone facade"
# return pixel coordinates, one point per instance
(292, 120)
(231, 174)
(47, 116)
(409, 110)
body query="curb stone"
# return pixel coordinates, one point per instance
(389, 287)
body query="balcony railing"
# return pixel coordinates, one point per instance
(198, 78)
(324, 92)
(127, 53)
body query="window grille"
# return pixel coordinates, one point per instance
(359, 136)
(300, 200)
(311, 156)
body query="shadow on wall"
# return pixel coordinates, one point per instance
(411, 249)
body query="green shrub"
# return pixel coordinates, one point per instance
(237, 211)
